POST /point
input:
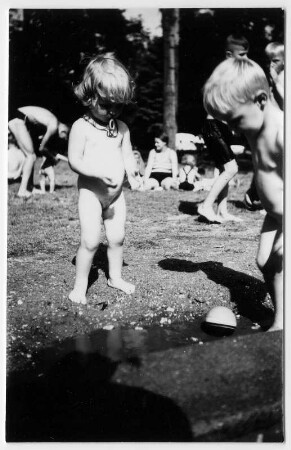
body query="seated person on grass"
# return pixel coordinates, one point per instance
(238, 93)
(188, 173)
(162, 167)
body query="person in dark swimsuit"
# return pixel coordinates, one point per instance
(218, 138)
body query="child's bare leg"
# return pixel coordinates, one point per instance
(169, 183)
(42, 182)
(270, 262)
(151, 183)
(51, 176)
(222, 211)
(206, 209)
(114, 223)
(90, 220)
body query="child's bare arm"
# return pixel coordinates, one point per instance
(129, 159)
(128, 156)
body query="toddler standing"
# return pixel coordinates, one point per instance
(100, 152)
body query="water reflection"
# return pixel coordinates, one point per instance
(121, 344)
(67, 393)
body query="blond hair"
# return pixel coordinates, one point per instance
(274, 49)
(234, 81)
(107, 79)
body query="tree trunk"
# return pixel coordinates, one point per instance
(170, 22)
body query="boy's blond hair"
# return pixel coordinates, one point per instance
(274, 49)
(106, 79)
(234, 81)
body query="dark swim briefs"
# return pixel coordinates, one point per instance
(160, 176)
(218, 139)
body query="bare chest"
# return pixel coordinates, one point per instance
(100, 147)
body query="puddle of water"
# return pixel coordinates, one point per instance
(125, 344)
(66, 393)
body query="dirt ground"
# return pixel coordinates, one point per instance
(181, 267)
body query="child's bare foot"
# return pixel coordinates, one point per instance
(119, 283)
(24, 194)
(77, 297)
(229, 217)
(38, 191)
(208, 214)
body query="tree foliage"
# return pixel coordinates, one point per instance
(49, 47)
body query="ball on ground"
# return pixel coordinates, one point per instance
(220, 320)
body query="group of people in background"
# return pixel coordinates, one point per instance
(238, 97)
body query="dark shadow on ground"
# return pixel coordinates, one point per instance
(189, 207)
(74, 400)
(238, 204)
(100, 262)
(247, 292)
(58, 187)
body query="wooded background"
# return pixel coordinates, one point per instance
(49, 48)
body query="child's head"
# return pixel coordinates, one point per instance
(161, 141)
(275, 54)
(236, 46)
(63, 131)
(188, 159)
(106, 85)
(137, 155)
(237, 92)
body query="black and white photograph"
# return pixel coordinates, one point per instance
(144, 283)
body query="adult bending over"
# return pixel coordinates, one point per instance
(27, 124)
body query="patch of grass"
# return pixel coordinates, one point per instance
(174, 261)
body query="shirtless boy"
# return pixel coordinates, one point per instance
(238, 93)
